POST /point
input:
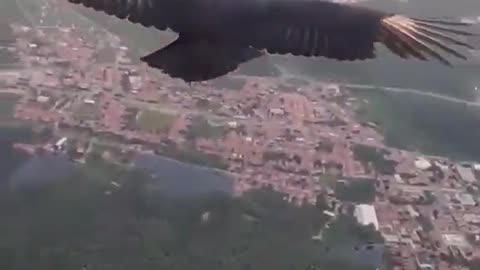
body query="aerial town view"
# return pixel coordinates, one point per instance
(300, 137)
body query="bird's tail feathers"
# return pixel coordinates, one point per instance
(199, 59)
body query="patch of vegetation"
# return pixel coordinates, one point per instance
(345, 227)
(275, 156)
(425, 222)
(324, 146)
(7, 105)
(86, 112)
(429, 197)
(73, 224)
(192, 156)
(327, 180)
(205, 104)
(374, 158)
(201, 128)
(155, 121)
(356, 190)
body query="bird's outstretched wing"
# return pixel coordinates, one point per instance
(145, 12)
(346, 32)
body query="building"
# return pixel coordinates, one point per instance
(366, 215)
(422, 164)
(135, 82)
(455, 240)
(276, 112)
(89, 101)
(60, 144)
(9, 77)
(43, 99)
(465, 199)
(411, 211)
(466, 173)
(424, 262)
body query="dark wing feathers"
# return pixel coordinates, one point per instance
(344, 32)
(311, 41)
(199, 60)
(145, 12)
(314, 28)
(300, 27)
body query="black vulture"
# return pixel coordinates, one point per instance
(215, 36)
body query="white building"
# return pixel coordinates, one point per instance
(466, 173)
(455, 240)
(232, 124)
(60, 143)
(276, 112)
(422, 163)
(476, 167)
(366, 215)
(465, 199)
(135, 82)
(43, 99)
(89, 101)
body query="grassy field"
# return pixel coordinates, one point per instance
(155, 121)
(201, 128)
(86, 112)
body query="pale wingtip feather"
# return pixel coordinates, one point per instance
(419, 36)
(444, 22)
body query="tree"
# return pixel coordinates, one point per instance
(84, 220)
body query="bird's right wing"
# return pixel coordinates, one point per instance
(145, 12)
(345, 32)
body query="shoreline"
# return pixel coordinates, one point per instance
(193, 165)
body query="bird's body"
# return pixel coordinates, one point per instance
(215, 36)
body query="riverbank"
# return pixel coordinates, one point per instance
(193, 165)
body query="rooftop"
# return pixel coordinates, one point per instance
(366, 215)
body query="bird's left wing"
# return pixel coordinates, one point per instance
(344, 32)
(148, 13)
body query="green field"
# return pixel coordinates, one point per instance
(202, 128)
(85, 112)
(155, 121)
